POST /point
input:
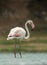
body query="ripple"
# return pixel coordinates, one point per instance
(27, 59)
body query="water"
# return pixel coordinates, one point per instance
(27, 59)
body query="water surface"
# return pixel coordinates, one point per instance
(27, 59)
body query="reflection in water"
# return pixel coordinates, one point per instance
(27, 59)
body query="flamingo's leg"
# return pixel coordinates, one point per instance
(15, 50)
(20, 49)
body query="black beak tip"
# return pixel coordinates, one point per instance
(32, 29)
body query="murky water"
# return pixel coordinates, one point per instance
(27, 59)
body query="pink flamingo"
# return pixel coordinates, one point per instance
(20, 33)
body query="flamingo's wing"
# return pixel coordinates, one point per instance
(17, 33)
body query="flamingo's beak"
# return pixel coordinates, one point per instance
(33, 26)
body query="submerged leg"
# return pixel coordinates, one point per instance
(20, 49)
(15, 50)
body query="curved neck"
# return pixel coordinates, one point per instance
(28, 34)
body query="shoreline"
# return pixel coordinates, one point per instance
(31, 47)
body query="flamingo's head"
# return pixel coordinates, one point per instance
(31, 23)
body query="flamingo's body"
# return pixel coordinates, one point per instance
(19, 32)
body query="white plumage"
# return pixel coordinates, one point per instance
(19, 32)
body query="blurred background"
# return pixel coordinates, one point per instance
(15, 13)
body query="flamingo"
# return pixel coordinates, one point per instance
(20, 33)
